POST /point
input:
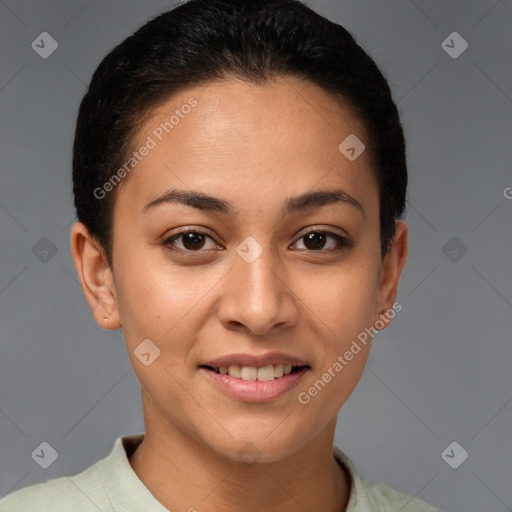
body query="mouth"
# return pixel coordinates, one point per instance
(260, 373)
(255, 378)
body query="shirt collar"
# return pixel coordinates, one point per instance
(124, 487)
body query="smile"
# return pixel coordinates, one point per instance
(263, 373)
(265, 382)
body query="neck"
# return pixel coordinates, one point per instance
(184, 474)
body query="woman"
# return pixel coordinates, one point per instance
(239, 176)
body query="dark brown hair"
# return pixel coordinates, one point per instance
(205, 40)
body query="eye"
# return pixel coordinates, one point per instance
(191, 240)
(315, 241)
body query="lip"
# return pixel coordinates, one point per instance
(255, 391)
(244, 359)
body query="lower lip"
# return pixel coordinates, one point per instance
(254, 390)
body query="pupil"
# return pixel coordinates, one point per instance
(193, 239)
(317, 239)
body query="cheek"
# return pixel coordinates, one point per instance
(325, 392)
(158, 306)
(332, 387)
(162, 302)
(342, 300)
(147, 289)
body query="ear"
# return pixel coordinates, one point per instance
(391, 270)
(95, 276)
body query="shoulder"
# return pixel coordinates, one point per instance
(78, 493)
(368, 495)
(382, 497)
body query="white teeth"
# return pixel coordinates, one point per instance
(249, 373)
(234, 371)
(264, 373)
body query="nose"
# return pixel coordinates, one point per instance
(257, 297)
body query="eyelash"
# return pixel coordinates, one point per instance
(342, 242)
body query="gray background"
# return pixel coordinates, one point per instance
(440, 373)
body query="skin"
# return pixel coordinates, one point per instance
(254, 146)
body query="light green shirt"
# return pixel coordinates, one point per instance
(111, 485)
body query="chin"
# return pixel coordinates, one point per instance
(257, 444)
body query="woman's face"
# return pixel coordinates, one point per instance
(251, 287)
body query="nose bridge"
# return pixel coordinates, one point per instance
(259, 275)
(256, 296)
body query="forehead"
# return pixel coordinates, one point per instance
(240, 139)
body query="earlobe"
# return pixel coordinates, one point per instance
(95, 277)
(391, 270)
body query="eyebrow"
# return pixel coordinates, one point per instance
(205, 202)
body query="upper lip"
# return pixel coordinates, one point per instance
(257, 361)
